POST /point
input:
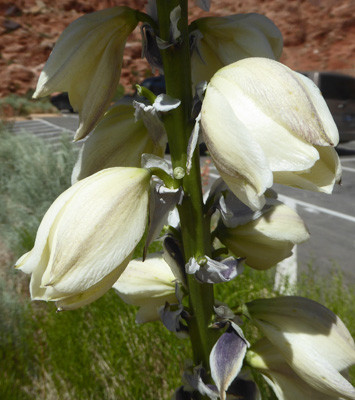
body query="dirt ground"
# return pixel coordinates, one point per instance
(318, 34)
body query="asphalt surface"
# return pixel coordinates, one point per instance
(329, 218)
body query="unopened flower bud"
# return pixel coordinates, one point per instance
(86, 62)
(224, 40)
(117, 141)
(148, 284)
(267, 240)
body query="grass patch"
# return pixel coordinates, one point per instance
(97, 352)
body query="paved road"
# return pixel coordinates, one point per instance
(330, 218)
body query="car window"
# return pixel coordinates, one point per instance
(335, 86)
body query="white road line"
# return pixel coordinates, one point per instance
(348, 169)
(317, 208)
(55, 126)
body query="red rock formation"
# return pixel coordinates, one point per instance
(318, 35)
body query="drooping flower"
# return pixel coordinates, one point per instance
(287, 385)
(314, 342)
(267, 240)
(117, 141)
(87, 237)
(264, 123)
(220, 41)
(86, 62)
(148, 284)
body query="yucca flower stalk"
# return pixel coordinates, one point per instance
(262, 123)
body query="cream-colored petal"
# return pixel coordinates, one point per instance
(284, 150)
(224, 40)
(146, 280)
(317, 369)
(321, 108)
(149, 312)
(22, 261)
(83, 39)
(320, 178)
(118, 140)
(204, 63)
(238, 158)
(148, 284)
(312, 339)
(103, 85)
(28, 262)
(305, 319)
(99, 227)
(86, 63)
(283, 96)
(95, 292)
(286, 384)
(267, 240)
(260, 119)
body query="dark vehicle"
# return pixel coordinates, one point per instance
(61, 101)
(338, 91)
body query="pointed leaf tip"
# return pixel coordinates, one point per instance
(226, 360)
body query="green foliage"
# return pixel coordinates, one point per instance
(332, 292)
(32, 175)
(98, 352)
(16, 105)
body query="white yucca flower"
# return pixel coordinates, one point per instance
(268, 239)
(87, 237)
(148, 284)
(117, 141)
(287, 385)
(86, 62)
(264, 123)
(314, 342)
(220, 41)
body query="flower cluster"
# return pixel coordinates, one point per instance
(262, 124)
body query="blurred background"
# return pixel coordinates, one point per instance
(318, 35)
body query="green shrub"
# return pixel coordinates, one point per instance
(15, 105)
(32, 175)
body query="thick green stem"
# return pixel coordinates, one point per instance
(178, 123)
